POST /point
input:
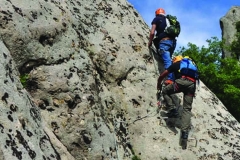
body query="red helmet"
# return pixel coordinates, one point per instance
(160, 11)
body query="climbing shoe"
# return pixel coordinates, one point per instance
(173, 114)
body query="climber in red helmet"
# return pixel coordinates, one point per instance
(163, 42)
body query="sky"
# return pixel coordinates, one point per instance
(200, 20)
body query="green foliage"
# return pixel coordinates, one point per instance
(238, 26)
(235, 46)
(135, 158)
(228, 76)
(219, 75)
(23, 79)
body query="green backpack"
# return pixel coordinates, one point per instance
(173, 29)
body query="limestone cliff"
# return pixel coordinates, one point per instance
(90, 89)
(228, 27)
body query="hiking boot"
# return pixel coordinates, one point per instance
(173, 114)
(184, 139)
(167, 82)
(184, 135)
(184, 144)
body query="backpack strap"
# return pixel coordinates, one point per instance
(167, 22)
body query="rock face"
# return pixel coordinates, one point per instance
(90, 90)
(228, 27)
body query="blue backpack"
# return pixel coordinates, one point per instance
(189, 68)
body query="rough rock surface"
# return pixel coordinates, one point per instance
(228, 27)
(91, 85)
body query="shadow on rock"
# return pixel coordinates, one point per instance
(172, 123)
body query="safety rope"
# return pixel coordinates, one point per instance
(114, 126)
(151, 53)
